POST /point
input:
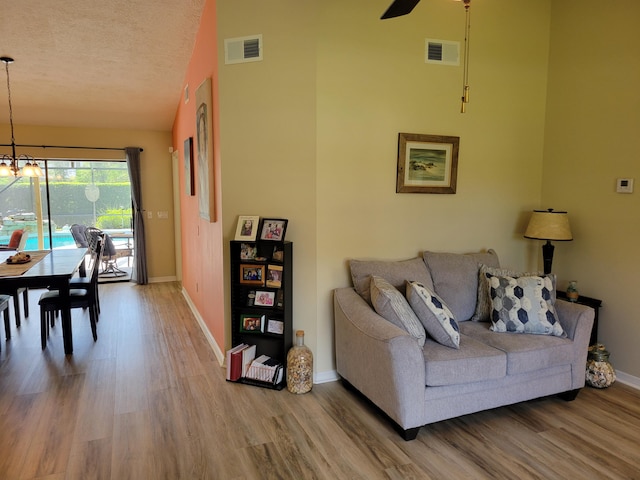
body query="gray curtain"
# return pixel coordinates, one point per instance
(139, 274)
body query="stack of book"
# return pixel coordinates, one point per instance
(243, 364)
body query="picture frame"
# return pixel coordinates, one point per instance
(189, 179)
(247, 228)
(252, 274)
(275, 326)
(264, 298)
(273, 229)
(248, 251)
(427, 163)
(250, 323)
(274, 276)
(204, 141)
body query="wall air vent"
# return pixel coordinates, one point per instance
(442, 52)
(243, 49)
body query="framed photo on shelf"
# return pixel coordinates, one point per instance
(278, 254)
(280, 299)
(427, 163)
(275, 326)
(247, 228)
(274, 276)
(252, 323)
(273, 229)
(265, 299)
(252, 274)
(248, 251)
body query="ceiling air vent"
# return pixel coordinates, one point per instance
(442, 52)
(243, 49)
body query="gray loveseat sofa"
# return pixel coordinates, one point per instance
(416, 380)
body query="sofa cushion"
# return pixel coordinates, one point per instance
(455, 278)
(483, 302)
(525, 353)
(524, 305)
(389, 303)
(474, 361)
(395, 272)
(434, 314)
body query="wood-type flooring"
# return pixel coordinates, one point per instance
(149, 400)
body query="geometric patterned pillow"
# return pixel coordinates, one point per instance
(390, 304)
(524, 305)
(434, 314)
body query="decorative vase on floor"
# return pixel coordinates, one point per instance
(299, 366)
(600, 373)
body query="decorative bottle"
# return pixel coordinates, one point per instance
(600, 373)
(299, 366)
(572, 291)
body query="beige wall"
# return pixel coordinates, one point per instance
(157, 189)
(310, 134)
(592, 139)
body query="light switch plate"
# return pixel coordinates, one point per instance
(624, 185)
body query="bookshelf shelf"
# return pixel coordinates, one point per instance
(261, 300)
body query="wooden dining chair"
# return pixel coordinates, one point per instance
(4, 308)
(51, 302)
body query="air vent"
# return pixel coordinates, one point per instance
(243, 49)
(442, 52)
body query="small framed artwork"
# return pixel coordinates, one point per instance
(248, 251)
(280, 299)
(265, 299)
(252, 323)
(274, 276)
(247, 228)
(189, 179)
(273, 229)
(252, 274)
(427, 163)
(275, 326)
(278, 254)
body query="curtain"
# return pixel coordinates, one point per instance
(139, 274)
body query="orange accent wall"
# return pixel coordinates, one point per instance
(202, 241)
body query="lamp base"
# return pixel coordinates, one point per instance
(547, 256)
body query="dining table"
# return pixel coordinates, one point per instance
(47, 269)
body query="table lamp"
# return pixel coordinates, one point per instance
(548, 225)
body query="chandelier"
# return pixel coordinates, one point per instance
(9, 164)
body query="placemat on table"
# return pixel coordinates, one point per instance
(15, 269)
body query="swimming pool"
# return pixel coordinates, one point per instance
(60, 240)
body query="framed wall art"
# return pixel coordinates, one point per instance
(204, 142)
(189, 180)
(427, 163)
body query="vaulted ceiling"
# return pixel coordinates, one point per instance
(89, 63)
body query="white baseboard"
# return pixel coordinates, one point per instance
(162, 279)
(627, 379)
(326, 377)
(212, 342)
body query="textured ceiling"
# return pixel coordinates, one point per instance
(91, 63)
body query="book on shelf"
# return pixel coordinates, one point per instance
(266, 369)
(232, 361)
(248, 354)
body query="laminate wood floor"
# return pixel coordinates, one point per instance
(148, 400)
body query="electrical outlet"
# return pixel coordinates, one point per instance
(149, 215)
(624, 185)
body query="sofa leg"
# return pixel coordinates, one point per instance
(409, 434)
(569, 395)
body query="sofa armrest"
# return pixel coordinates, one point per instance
(577, 321)
(379, 359)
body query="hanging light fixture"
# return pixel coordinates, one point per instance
(9, 164)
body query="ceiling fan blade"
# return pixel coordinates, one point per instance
(399, 8)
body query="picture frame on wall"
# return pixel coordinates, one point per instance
(204, 141)
(247, 228)
(427, 163)
(189, 180)
(252, 274)
(273, 229)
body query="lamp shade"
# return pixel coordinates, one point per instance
(549, 225)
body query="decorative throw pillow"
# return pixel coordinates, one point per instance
(524, 305)
(436, 317)
(389, 303)
(483, 303)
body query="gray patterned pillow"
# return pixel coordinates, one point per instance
(524, 305)
(389, 303)
(436, 317)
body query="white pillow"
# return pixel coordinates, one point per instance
(434, 314)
